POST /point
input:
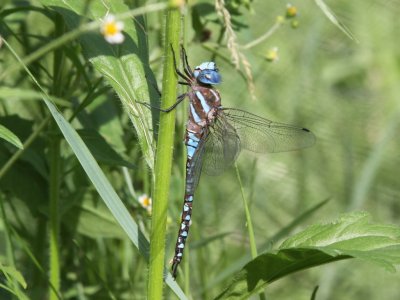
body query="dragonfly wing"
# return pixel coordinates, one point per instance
(261, 135)
(222, 146)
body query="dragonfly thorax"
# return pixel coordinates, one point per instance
(207, 73)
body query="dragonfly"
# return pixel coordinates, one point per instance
(215, 135)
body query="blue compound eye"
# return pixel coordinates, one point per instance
(207, 73)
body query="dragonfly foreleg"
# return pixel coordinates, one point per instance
(154, 85)
(166, 110)
(176, 67)
(186, 67)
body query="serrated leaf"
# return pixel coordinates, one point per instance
(10, 137)
(351, 236)
(238, 264)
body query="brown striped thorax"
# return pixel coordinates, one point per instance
(204, 99)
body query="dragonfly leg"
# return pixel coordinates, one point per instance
(154, 85)
(166, 110)
(184, 83)
(182, 233)
(186, 67)
(176, 67)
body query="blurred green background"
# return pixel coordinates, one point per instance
(345, 91)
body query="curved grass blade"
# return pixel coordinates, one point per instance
(106, 191)
(10, 137)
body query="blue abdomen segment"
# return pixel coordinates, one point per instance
(192, 143)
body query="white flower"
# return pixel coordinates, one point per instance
(111, 30)
(145, 202)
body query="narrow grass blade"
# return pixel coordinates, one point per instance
(10, 137)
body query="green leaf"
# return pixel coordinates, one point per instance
(332, 17)
(31, 189)
(94, 221)
(267, 244)
(351, 236)
(13, 274)
(10, 137)
(101, 150)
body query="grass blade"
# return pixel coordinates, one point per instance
(10, 137)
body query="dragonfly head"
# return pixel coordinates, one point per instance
(207, 73)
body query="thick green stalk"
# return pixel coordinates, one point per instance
(55, 178)
(163, 158)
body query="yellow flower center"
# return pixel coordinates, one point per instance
(291, 11)
(146, 202)
(110, 29)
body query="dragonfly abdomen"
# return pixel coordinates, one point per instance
(192, 142)
(182, 233)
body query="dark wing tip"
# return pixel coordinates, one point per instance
(311, 137)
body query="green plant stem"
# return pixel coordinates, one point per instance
(163, 160)
(55, 166)
(265, 36)
(9, 245)
(54, 263)
(253, 247)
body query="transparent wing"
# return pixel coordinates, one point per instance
(234, 129)
(222, 146)
(261, 135)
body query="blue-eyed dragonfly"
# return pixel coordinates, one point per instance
(215, 136)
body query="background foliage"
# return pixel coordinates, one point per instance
(346, 91)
